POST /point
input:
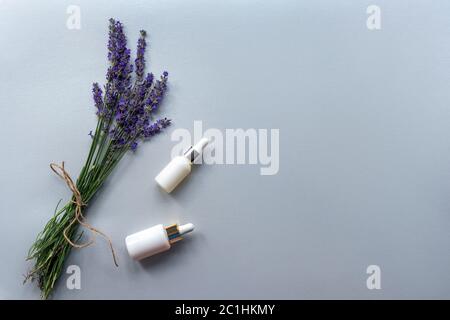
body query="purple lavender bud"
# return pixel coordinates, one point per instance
(97, 95)
(157, 92)
(156, 127)
(149, 80)
(121, 142)
(119, 56)
(164, 123)
(140, 60)
(133, 146)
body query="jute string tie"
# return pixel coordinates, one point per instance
(78, 218)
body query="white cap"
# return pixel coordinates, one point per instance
(186, 228)
(193, 152)
(199, 146)
(154, 240)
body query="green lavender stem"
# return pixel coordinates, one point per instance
(51, 248)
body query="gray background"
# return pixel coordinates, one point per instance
(364, 119)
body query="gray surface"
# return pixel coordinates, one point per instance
(364, 122)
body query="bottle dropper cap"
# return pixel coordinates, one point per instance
(193, 152)
(154, 240)
(186, 228)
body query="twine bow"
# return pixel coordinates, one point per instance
(78, 201)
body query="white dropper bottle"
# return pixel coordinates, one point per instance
(180, 167)
(156, 239)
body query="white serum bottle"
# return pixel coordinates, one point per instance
(180, 167)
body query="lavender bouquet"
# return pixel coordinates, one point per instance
(125, 111)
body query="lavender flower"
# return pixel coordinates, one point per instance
(157, 92)
(127, 109)
(118, 75)
(140, 60)
(156, 127)
(97, 95)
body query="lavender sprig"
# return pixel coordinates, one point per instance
(140, 59)
(125, 111)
